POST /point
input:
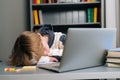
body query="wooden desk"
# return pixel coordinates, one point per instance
(101, 72)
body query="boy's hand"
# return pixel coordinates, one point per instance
(53, 59)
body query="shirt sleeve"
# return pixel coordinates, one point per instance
(45, 45)
(44, 59)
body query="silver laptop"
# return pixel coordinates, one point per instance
(84, 48)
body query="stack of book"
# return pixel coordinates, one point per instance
(113, 57)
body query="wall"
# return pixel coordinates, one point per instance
(13, 20)
(110, 16)
(118, 21)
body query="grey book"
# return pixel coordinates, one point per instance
(47, 16)
(68, 1)
(40, 17)
(75, 17)
(61, 1)
(69, 17)
(55, 17)
(62, 17)
(75, 1)
(82, 16)
(51, 17)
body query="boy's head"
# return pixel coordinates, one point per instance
(27, 47)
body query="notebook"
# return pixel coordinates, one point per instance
(84, 48)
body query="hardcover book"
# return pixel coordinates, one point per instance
(114, 52)
(40, 17)
(75, 17)
(35, 17)
(113, 65)
(82, 16)
(113, 59)
(95, 14)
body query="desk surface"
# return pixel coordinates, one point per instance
(101, 72)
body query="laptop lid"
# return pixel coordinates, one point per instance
(85, 47)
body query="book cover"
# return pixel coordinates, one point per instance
(55, 17)
(62, 17)
(113, 52)
(61, 1)
(34, 1)
(90, 15)
(38, 2)
(88, 0)
(55, 1)
(68, 1)
(115, 49)
(40, 17)
(69, 17)
(49, 1)
(41, 1)
(44, 1)
(51, 17)
(113, 60)
(95, 14)
(52, 1)
(75, 17)
(113, 65)
(82, 16)
(75, 1)
(92, 0)
(85, 0)
(35, 17)
(47, 16)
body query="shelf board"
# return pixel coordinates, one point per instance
(91, 23)
(85, 25)
(66, 5)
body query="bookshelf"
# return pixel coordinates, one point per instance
(62, 15)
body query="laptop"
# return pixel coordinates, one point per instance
(84, 48)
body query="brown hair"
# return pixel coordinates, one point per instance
(27, 46)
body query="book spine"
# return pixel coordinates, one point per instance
(40, 17)
(91, 14)
(92, 0)
(49, 1)
(61, 1)
(34, 1)
(63, 17)
(95, 14)
(44, 1)
(69, 17)
(35, 17)
(55, 1)
(82, 16)
(88, 1)
(38, 2)
(88, 15)
(84, 0)
(41, 1)
(75, 17)
(112, 65)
